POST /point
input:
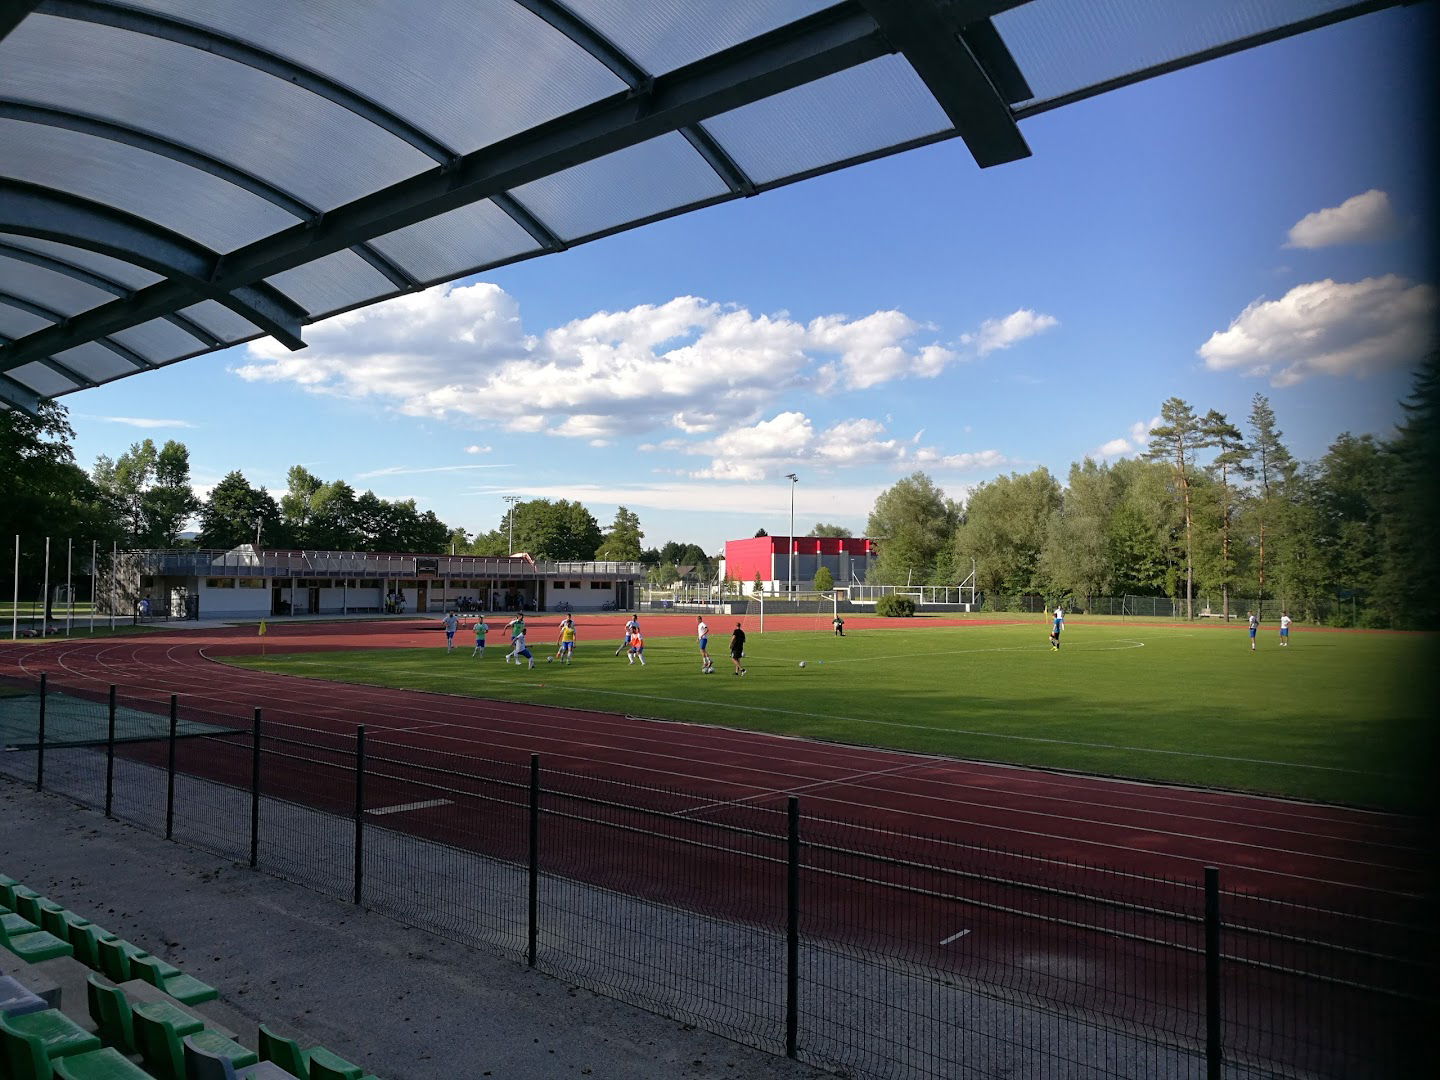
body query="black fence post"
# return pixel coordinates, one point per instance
(1214, 1040)
(792, 927)
(255, 791)
(110, 757)
(532, 917)
(359, 811)
(40, 739)
(170, 768)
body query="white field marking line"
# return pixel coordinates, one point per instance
(765, 794)
(953, 937)
(400, 808)
(964, 731)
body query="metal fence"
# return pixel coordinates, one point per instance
(869, 952)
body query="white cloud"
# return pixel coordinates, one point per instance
(405, 470)
(689, 364)
(1360, 219)
(143, 422)
(1136, 442)
(477, 449)
(764, 501)
(1328, 328)
(789, 440)
(997, 334)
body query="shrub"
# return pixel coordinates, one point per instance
(895, 607)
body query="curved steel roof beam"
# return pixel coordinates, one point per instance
(12, 13)
(151, 24)
(167, 148)
(192, 271)
(581, 33)
(84, 381)
(106, 284)
(59, 318)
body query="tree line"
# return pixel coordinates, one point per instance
(1209, 511)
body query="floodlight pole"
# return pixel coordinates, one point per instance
(69, 586)
(790, 571)
(510, 515)
(113, 553)
(15, 595)
(94, 577)
(45, 592)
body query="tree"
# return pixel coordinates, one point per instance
(916, 522)
(295, 504)
(621, 543)
(1408, 589)
(821, 529)
(1230, 463)
(169, 503)
(1076, 556)
(1272, 467)
(1005, 529)
(228, 517)
(332, 522)
(43, 491)
(761, 532)
(560, 530)
(824, 580)
(759, 585)
(1177, 440)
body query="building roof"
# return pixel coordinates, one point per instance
(179, 176)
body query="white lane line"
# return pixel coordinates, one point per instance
(952, 937)
(402, 807)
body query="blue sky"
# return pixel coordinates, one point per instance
(1255, 224)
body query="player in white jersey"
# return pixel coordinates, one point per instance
(702, 638)
(1284, 630)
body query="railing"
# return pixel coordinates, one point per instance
(182, 562)
(861, 950)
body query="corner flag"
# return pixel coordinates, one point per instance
(263, 627)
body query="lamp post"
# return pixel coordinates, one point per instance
(512, 500)
(790, 572)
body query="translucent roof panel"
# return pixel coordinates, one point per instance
(220, 320)
(647, 179)
(282, 133)
(467, 73)
(122, 273)
(337, 281)
(49, 288)
(96, 362)
(16, 322)
(42, 379)
(158, 340)
(211, 211)
(851, 113)
(476, 235)
(663, 35)
(1063, 46)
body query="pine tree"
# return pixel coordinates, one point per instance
(1177, 440)
(1230, 463)
(1272, 467)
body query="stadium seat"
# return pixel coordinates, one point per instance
(164, 1054)
(33, 945)
(33, 907)
(114, 1016)
(17, 1000)
(115, 957)
(25, 1059)
(58, 921)
(85, 940)
(106, 1064)
(202, 1064)
(314, 1063)
(15, 923)
(172, 980)
(50, 1030)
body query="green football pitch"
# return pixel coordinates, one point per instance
(1337, 717)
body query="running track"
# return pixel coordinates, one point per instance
(1354, 860)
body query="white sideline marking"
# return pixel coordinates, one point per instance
(952, 937)
(402, 807)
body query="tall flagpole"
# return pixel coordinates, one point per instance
(112, 584)
(15, 595)
(94, 551)
(69, 583)
(45, 592)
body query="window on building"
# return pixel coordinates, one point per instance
(220, 583)
(574, 584)
(250, 583)
(600, 584)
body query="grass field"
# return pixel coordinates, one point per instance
(1337, 717)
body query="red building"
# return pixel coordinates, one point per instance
(848, 559)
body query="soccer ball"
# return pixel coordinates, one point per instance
(802, 663)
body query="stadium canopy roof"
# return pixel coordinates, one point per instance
(178, 176)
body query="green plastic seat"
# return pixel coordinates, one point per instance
(85, 940)
(15, 923)
(114, 1016)
(33, 945)
(172, 980)
(106, 1064)
(58, 921)
(34, 906)
(115, 957)
(164, 1053)
(315, 1063)
(52, 1031)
